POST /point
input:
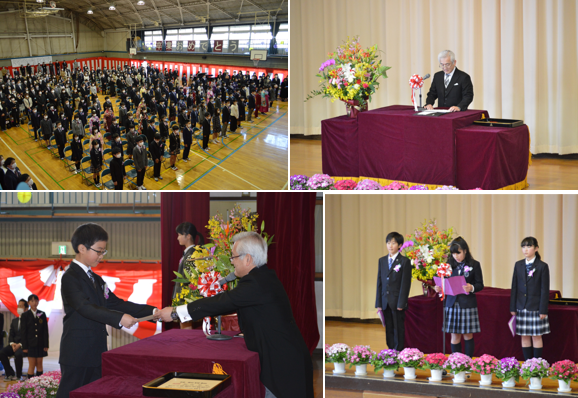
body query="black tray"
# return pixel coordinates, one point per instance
(565, 301)
(152, 389)
(499, 122)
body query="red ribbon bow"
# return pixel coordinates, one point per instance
(209, 284)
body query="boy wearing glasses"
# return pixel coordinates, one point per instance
(89, 306)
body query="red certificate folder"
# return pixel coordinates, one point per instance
(453, 285)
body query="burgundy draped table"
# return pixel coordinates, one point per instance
(392, 143)
(181, 350)
(424, 320)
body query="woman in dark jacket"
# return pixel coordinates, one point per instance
(34, 329)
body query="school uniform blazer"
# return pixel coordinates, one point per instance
(87, 312)
(393, 286)
(34, 330)
(531, 293)
(474, 278)
(15, 335)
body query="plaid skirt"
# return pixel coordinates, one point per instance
(528, 323)
(461, 320)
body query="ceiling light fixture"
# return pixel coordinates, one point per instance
(111, 7)
(89, 11)
(140, 3)
(40, 1)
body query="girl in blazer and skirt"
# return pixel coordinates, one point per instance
(529, 298)
(34, 329)
(462, 310)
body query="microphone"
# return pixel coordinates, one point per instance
(229, 278)
(426, 76)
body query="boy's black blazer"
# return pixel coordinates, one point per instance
(460, 91)
(393, 286)
(15, 335)
(531, 293)
(34, 331)
(474, 278)
(87, 312)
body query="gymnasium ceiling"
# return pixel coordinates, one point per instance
(167, 13)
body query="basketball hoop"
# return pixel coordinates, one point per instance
(256, 62)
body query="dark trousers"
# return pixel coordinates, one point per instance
(36, 133)
(187, 150)
(157, 168)
(140, 176)
(74, 377)
(206, 140)
(119, 185)
(5, 355)
(61, 150)
(394, 328)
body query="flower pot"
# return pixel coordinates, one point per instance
(460, 377)
(428, 290)
(509, 383)
(535, 383)
(409, 373)
(351, 109)
(388, 373)
(486, 380)
(339, 368)
(361, 370)
(436, 375)
(563, 386)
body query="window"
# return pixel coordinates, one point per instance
(283, 37)
(151, 37)
(220, 29)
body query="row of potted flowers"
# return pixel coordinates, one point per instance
(508, 370)
(325, 182)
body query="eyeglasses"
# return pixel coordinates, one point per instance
(100, 253)
(232, 258)
(446, 65)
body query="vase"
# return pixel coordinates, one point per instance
(352, 111)
(428, 290)
(436, 375)
(339, 368)
(388, 373)
(486, 380)
(509, 383)
(563, 386)
(535, 383)
(460, 377)
(409, 373)
(361, 370)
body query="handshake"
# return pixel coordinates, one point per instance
(164, 315)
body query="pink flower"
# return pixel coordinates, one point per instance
(365, 85)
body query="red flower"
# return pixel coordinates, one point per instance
(365, 85)
(225, 286)
(358, 81)
(192, 286)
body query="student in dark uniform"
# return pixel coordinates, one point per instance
(186, 235)
(60, 138)
(117, 172)
(174, 146)
(89, 306)
(96, 162)
(14, 347)
(157, 150)
(529, 298)
(77, 152)
(34, 336)
(187, 140)
(393, 284)
(462, 310)
(206, 131)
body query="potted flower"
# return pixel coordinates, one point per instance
(459, 364)
(386, 360)
(534, 370)
(345, 185)
(368, 185)
(298, 182)
(410, 359)
(564, 371)
(508, 370)
(436, 363)
(485, 366)
(337, 354)
(360, 356)
(40, 386)
(321, 182)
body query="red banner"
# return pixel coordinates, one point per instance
(168, 46)
(218, 46)
(159, 46)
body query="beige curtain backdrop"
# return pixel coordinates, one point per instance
(520, 54)
(493, 225)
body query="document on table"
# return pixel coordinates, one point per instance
(190, 384)
(434, 111)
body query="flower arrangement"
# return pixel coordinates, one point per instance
(419, 188)
(337, 353)
(345, 185)
(368, 185)
(410, 358)
(458, 362)
(534, 367)
(395, 186)
(200, 277)
(435, 361)
(321, 181)
(565, 370)
(9, 395)
(37, 387)
(359, 355)
(327, 347)
(350, 74)
(298, 182)
(429, 248)
(485, 365)
(447, 188)
(386, 359)
(508, 368)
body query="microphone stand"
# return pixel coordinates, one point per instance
(218, 336)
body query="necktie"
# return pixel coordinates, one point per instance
(91, 276)
(447, 80)
(390, 262)
(528, 266)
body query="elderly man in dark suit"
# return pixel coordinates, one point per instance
(451, 87)
(265, 318)
(14, 348)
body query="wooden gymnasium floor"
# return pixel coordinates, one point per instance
(373, 334)
(543, 174)
(254, 160)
